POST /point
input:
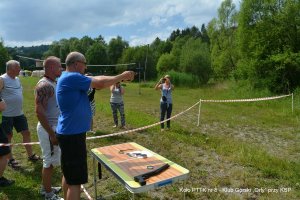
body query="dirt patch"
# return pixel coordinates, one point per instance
(273, 141)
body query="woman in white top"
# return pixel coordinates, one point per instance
(117, 104)
(166, 101)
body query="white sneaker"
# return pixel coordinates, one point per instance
(54, 197)
(54, 189)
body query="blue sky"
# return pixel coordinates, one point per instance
(35, 22)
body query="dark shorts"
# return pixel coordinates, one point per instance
(73, 158)
(4, 150)
(19, 122)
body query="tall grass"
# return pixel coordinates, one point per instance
(181, 79)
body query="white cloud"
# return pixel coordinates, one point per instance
(24, 22)
(137, 40)
(28, 43)
(157, 21)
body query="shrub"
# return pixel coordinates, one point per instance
(183, 79)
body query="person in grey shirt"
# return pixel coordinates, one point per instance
(47, 112)
(116, 103)
(13, 117)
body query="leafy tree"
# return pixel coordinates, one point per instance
(272, 51)
(73, 44)
(204, 34)
(115, 49)
(159, 47)
(100, 39)
(195, 59)
(222, 33)
(174, 35)
(4, 57)
(192, 32)
(96, 55)
(284, 76)
(189, 32)
(166, 62)
(176, 50)
(128, 55)
(54, 50)
(138, 55)
(85, 43)
(64, 48)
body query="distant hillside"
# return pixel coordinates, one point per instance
(32, 52)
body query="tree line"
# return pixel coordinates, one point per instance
(260, 43)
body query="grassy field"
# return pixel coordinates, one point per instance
(239, 151)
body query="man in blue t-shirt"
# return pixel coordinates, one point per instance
(75, 119)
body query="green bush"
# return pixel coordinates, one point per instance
(182, 79)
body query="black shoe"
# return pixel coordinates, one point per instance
(14, 164)
(34, 158)
(5, 182)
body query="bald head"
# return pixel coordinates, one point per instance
(50, 61)
(52, 66)
(76, 62)
(74, 57)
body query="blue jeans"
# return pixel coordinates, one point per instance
(165, 108)
(115, 107)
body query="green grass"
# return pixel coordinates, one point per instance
(237, 145)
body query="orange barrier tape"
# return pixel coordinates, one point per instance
(243, 100)
(113, 134)
(246, 100)
(175, 116)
